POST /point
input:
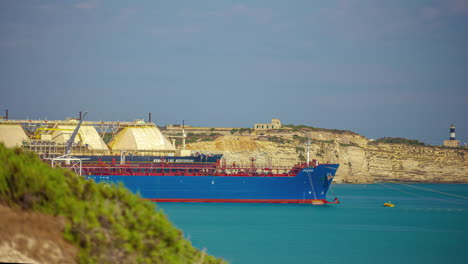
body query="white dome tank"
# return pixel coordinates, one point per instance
(140, 138)
(87, 135)
(12, 135)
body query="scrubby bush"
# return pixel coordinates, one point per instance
(192, 137)
(279, 140)
(311, 128)
(390, 140)
(245, 130)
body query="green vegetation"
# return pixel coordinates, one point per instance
(311, 128)
(302, 140)
(301, 127)
(241, 130)
(107, 223)
(390, 140)
(277, 139)
(300, 150)
(192, 137)
(351, 144)
(245, 130)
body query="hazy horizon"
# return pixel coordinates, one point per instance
(377, 68)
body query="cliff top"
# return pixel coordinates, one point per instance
(304, 128)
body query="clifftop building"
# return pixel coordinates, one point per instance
(275, 124)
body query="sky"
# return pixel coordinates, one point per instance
(378, 68)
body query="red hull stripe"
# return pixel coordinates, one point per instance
(300, 201)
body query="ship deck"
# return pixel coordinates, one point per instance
(189, 169)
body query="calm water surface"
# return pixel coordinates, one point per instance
(424, 227)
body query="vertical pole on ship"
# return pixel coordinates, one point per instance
(308, 151)
(149, 117)
(183, 134)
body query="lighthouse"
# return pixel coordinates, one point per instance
(452, 142)
(452, 132)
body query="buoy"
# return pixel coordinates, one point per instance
(388, 204)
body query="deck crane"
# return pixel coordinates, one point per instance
(72, 138)
(76, 163)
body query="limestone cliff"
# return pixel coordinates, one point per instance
(361, 161)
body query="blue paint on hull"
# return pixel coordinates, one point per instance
(309, 183)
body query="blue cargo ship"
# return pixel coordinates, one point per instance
(213, 182)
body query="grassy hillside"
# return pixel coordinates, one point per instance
(107, 223)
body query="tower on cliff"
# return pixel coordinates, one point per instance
(452, 142)
(452, 132)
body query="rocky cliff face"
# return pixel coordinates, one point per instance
(361, 161)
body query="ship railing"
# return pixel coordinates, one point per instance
(140, 165)
(261, 170)
(192, 169)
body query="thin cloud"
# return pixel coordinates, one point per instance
(356, 20)
(124, 15)
(459, 6)
(262, 15)
(88, 4)
(445, 8)
(190, 28)
(372, 98)
(48, 8)
(430, 13)
(175, 30)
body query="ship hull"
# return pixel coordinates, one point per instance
(310, 185)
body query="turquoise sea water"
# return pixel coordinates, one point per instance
(424, 227)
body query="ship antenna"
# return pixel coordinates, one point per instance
(183, 134)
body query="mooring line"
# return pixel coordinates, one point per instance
(443, 200)
(432, 190)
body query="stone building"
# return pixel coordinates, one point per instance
(452, 143)
(275, 124)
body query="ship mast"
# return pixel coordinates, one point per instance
(183, 134)
(308, 151)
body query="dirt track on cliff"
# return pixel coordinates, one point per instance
(32, 237)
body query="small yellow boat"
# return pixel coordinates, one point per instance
(388, 204)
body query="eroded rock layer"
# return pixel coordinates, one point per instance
(361, 161)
